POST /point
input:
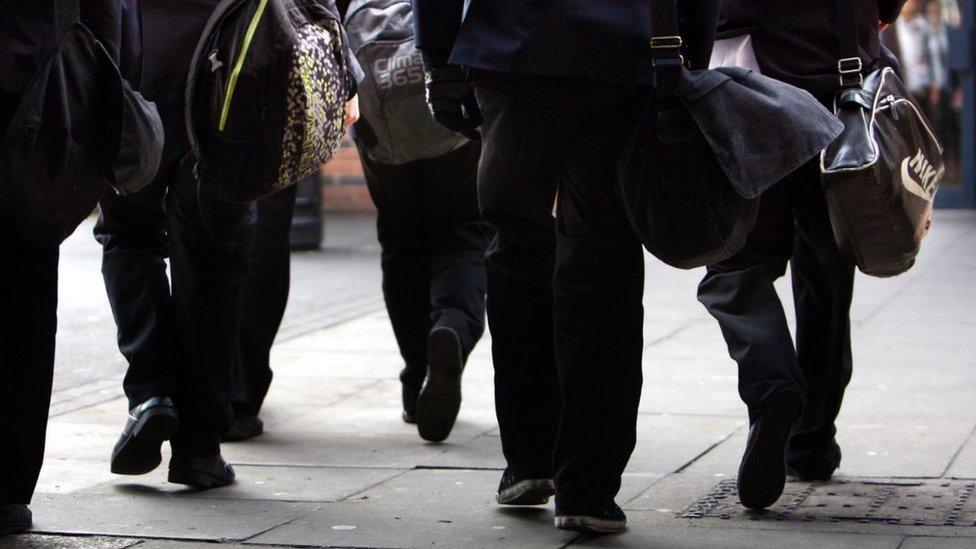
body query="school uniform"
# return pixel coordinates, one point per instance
(794, 42)
(560, 85)
(29, 32)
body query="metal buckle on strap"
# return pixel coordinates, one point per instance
(663, 47)
(850, 69)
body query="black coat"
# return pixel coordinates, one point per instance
(599, 39)
(30, 29)
(795, 40)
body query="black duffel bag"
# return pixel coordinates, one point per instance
(707, 145)
(881, 175)
(79, 131)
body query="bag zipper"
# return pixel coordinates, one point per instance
(239, 64)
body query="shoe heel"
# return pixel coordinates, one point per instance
(440, 397)
(141, 453)
(157, 425)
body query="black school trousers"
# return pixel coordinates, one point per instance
(564, 292)
(433, 242)
(793, 227)
(179, 333)
(28, 312)
(264, 299)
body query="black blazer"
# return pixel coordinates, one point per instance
(795, 40)
(30, 29)
(599, 39)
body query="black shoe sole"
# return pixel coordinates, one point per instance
(238, 434)
(198, 479)
(527, 492)
(440, 397)
(590, 525)
(809, 476)
(762, 474)
(15, 527)
(140, 453)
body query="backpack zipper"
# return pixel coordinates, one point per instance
(239, 64)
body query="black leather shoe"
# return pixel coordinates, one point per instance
(762, 474)
(14, 518)
(608, 520)
(245, 426)
(440, 396)
(149, 424)
(513, 490)
(817, 467)
(410, 395)
(202, 473)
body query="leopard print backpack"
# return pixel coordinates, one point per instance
(265, 97)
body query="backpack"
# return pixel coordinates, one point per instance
(395, 125)
(265, 96)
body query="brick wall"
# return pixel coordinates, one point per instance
(343, 186)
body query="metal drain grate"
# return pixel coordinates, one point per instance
(939, 503)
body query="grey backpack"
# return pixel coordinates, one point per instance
(395, 126)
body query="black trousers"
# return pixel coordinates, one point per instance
(180, 337)
(28, 312)
(28, 309)
(434, 241)
(564, 295)
(793, 227)
(264, 299)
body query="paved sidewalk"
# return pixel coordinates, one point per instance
(337, 467)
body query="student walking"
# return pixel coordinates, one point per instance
(181, 338)
(560, 86)
(423, 181)
(29, 33)
(793, 390)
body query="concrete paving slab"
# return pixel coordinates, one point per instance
(273, 483)
(646, 536)
(41, 541)
(940, 543)
(149, 513)
(964, 465)
(424, 508)
(64, 476)
(170, 544)
(900, 446)
(668, 442)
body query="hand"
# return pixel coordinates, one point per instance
(352, 111)
(450, 97)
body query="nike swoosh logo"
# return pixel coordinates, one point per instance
(910, 184)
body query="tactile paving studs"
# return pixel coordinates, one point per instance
(932, 503)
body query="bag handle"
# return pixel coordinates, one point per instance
(849, 65)
(666, 42)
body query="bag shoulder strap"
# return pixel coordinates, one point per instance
(666, 42)
(849, 66)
